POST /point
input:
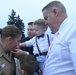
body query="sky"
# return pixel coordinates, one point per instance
(30, 10)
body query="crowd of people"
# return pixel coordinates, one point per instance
(40, 53)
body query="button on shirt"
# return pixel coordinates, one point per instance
(62, 56)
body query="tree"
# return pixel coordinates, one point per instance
(15, 20)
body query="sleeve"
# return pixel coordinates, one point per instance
(72, 48)
(30, 42)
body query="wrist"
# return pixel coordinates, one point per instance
(25, 52)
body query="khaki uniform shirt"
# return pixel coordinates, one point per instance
(7, 64)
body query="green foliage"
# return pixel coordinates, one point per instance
(15, 20)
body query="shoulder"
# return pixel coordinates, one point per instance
(25, 39)
(2, 52)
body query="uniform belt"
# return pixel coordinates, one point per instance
(43, 53)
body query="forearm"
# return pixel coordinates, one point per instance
(22, 44)
(18, 52)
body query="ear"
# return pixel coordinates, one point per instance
(56, 11)
(9, 39)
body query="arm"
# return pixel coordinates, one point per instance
(27, 43)
(22, 44)
(18, 52)
(72, 48)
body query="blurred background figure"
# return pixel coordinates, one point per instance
(31, 34)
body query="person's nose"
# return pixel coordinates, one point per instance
(46, 23)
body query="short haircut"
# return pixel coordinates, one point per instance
(57, 4)
(28, 63)
(30, 23)
(40, 22)
(10, 31)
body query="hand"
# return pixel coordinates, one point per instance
(19, 69)
(18, 52)
(40, 72)
(22, 44)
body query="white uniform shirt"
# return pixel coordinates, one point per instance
(42, 44)
(62, 56)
